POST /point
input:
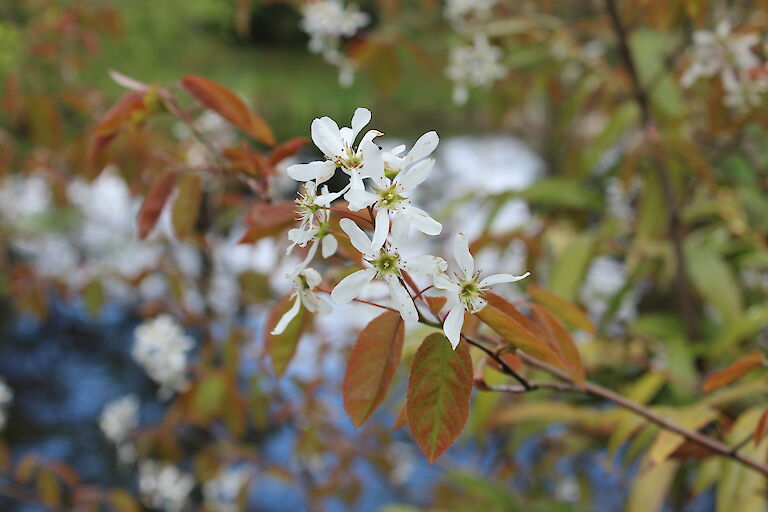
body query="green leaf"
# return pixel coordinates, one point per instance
(439, 389)
(650, 488)
(561, 193)
(186, 207)
(282, 347)
(564, 309)
(715, 281)
(372, 366)
(570, 266)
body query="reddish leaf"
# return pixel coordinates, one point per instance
(282, 347)
(562, 343)
(268, 219)
(155, 201)
(130, 110)
(245, 160)
(564, 309)
(435, 303)
(762, 427)
(229, 106)
(737, 370)
(372, 366)
(402, 417)
(514, 332)
(186, 206)
(286, 149)
(508, 308)
(439, 389)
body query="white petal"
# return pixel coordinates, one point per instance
(320, 171)
(357, 236)
(369, 136)
(314, 303)
(425, 265)
(326, 198)
(352, 286)
(327, 137)
(359, 199)
(415, 176)
(381, 230)
(443, 282)
(501, 278)
(287, 317)
(356, 180)
(373, 162)
(360, 120)
(402, 301)
(423, 222)
(329, 246)
(313, 277)
(401, 228)
(426, 144)
(397, 150)
(463, 257)
(453, 324)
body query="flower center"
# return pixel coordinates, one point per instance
(389, 198)
(350, 159)
(387, 263)
(471, 294)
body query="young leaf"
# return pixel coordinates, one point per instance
(154, 202)
(439, 389)
(286, 149)
(268, 219)
(562, 342)
(227, 104)
(564, 309)
(514, 332)
(737, 370)
(282, 347)
(186, 206)
(762, 427)
(402, 417)
(372, 366)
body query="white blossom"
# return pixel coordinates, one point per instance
(314, 218)
(164, 486)
(465, 289)
(118, 419)
(475, 65)
(161, 348)
(459, 11)
(719, 51)
(395, 177)
(6, 397)
(386, 263)
(742, 90)
(222, 490)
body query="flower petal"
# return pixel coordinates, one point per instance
(463, 257)
(402, 300)
(443, 282)
(425, 265)
(359, 199)
(320, 171)
(360, 120)
(415, 176)
(327, 137)
(401, 228)
(453, 324)
(287, 317)
(373, 162)
(501, 278)
(381, 230)
(312, 277)
(352, 286)
(423, 222)
(357, 236)
(424, 146)
(329, 246)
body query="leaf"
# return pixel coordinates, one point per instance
(154, 202)
(439, 389)
(561, 193)
(48, 488)
(564, 309)
(402, 417)
(268, 219)
(714, 280)
(762, 427)
(562, 342)
(650, 487)
(132, 109)
(227, 104)
(737, 370)
(514, 332)
(282, 347)
(286, 149)
(692, 418)
(372, 366)
(122, 501)
(570, 265)
(186, 206)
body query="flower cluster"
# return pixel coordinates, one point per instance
(475, 65)
(161, 349)
(380, 197)
(731, 56)
(118, 419)
(6, 396)
(326, 22)
(164, 486)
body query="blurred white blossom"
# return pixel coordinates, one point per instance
(222, 490)
(118, 419)
(605, 279)
(475, 65)
(164, 486)
(161, 348)
(460, 11)
(6, 397)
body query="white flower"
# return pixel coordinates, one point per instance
(457, 11)
(743, 91)
(6, 396)
(314, 220)
(385, 263)
(477, 65)
(119, 418)
(305, 282)
(395, 177)
(719, 51)
(221, 491)
(338, 146)
(161, 348)
(327, 21)
(164, 486)
(465, 290)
